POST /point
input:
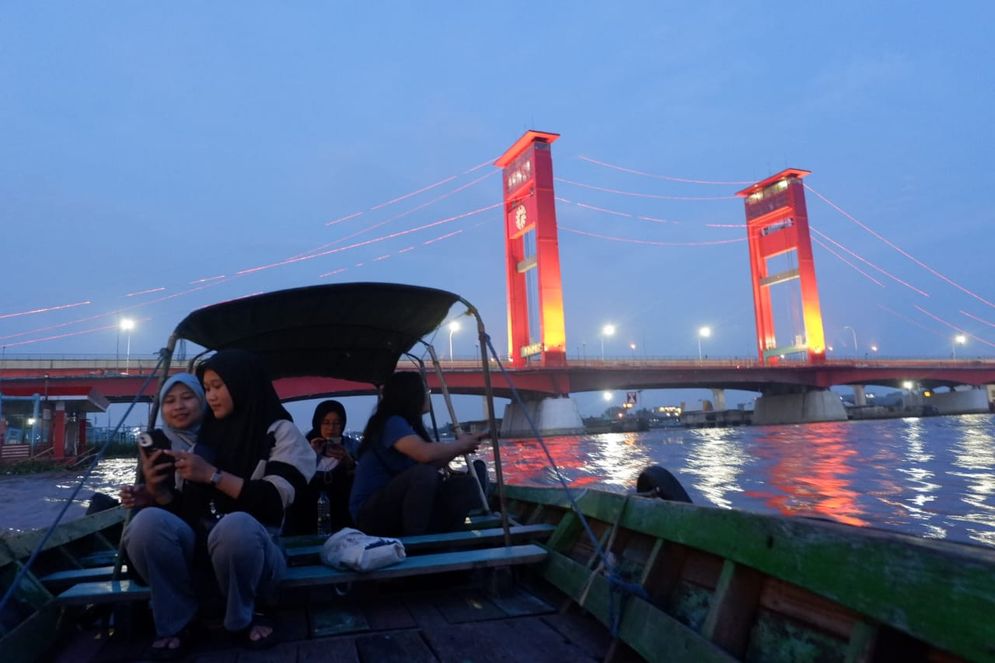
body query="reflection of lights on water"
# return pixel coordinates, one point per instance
(975, 453)
(717, 461)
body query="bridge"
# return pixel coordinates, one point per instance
(119, 382)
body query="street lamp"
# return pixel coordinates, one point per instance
(854, 337)
(959, 339)
(703, 332)
(632, 346)
(127, 324)
(607, 330)
(453, 328)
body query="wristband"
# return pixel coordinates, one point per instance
(216, 478)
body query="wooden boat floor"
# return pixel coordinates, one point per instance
(458, 624)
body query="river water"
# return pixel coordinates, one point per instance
(932, 477)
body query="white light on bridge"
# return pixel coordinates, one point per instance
(607, 395)
(907, 385)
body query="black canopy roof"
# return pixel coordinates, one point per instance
(354, 331)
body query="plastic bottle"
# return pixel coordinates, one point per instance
(324, 515)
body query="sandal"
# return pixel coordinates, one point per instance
(167, 653)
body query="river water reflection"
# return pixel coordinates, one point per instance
(930, 477)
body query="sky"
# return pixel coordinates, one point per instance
(155, 154)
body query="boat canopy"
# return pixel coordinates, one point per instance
(353, 331)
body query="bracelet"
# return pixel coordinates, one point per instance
(216, 478)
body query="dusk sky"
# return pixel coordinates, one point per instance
(148, 146)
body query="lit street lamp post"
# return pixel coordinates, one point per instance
(127, 324)
(607, 330)
(854, 333)
(704, 332)
(453, 327)
(959, 339)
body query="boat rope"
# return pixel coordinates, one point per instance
(619, 589)
(517, 397)
(24, 568)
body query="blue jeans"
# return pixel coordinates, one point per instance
(246, 562)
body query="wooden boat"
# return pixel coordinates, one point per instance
(550, 576)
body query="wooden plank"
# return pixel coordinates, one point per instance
(108, 591)
(340, 650)
(335, 619)
(730, 614)
(504, 641)
(668, 639)
(929, 589)
(102, 558)
(411, 544)
(463, 538)
(307, 576)
(461, 607)
(398, 647)
(72, 576)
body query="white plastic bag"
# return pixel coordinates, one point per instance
(351, 549)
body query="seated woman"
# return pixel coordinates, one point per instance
(398, 489)
(249, 463)
(181, 406)
(335, 465)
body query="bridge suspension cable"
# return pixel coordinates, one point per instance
(668, 178)
(899, 249)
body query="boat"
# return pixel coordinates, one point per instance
(544, 573)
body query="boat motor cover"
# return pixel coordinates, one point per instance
(352, 331)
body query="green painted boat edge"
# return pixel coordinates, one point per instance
(668, 640)
(935, 591)
(20, 546)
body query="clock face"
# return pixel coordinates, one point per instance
(521, 217)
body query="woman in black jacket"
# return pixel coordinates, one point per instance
(249, 463)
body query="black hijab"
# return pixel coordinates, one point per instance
(320, 412)
(240, 441)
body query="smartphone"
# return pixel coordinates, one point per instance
(155, 440)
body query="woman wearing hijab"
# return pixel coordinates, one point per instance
(249, 463)
(181, 405)
(398, 490)
(335, 464)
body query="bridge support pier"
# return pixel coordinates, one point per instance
(552, 416)
(798, 408)
(859, 395)
(719, 398)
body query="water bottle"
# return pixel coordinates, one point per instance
(324, 515)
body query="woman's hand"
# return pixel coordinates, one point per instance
(158, 474)
(339, 453)
(469, 442)
(135, 497)
(193, 467)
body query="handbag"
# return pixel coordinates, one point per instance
(351, 549)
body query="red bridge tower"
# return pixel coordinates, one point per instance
(536, 330)
(776, 225)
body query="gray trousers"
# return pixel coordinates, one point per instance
(246, 562)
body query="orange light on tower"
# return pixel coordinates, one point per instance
(777, 224)
(536, 329)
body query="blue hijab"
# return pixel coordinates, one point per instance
(183, 439)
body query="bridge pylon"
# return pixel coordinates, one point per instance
(777, 225)
(536, 328)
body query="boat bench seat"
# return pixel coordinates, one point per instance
(300, 548)
(120, 591)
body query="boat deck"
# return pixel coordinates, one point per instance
(412, 620)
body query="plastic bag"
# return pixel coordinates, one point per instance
(351, 549)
